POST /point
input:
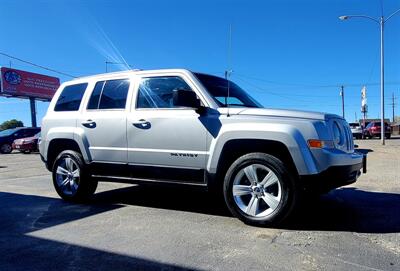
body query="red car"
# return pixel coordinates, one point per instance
(373, 129)
(27, 144)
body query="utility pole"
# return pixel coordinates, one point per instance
(342, 94)
(393, 104)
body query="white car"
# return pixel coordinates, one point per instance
(356, 130)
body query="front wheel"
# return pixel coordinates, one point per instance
(71, 178)
(259, 190)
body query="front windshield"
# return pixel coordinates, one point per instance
(8, 132)
(218, 89)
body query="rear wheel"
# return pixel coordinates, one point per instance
(6, 148)
(259, 190)
(71, 178)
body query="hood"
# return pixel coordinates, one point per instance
(280, 113)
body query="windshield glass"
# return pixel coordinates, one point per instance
(8, 132)
(218, 89)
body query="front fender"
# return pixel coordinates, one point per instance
(286, 134)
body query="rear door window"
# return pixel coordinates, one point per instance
(109, 94)
(70, 98)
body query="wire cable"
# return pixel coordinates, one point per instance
(37, 65)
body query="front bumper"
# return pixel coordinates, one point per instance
(334, 177)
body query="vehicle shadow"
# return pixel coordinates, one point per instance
(350, 209)
(172, 198)
(345, 209)
(21, 215)
(364, 151)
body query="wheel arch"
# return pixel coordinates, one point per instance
(235, 148)
(56, 146)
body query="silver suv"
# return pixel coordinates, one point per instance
(183, 128)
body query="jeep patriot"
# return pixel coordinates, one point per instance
(178, 127)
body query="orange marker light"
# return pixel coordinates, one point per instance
(315, 143)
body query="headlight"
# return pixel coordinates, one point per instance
(338, 137)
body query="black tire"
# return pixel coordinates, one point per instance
(290, 190)
(5, 148)
(86, 185)
(388, 136)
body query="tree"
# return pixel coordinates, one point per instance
(9, 124)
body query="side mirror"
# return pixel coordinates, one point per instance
(185, 98)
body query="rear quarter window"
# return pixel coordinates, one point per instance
(70, 98)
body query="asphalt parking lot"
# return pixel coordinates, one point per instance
(128, 227)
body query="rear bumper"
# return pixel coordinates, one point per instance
(25, 147)
(334, 177)
(379, 133)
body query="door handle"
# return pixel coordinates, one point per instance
(89, 123)
(142, 123)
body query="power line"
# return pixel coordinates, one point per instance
(314, 86)
(37, 65)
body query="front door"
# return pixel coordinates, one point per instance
(165, 142)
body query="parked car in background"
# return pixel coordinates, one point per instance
(373, 129)
(27, 144)
(356, 130)
(8, 136)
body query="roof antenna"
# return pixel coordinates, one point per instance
(229, 71)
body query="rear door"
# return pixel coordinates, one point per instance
(103, 121)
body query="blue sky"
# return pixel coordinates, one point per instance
(286, 54)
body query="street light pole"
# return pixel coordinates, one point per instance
(381, 21)
(382, 24)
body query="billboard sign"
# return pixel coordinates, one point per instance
(22, 84)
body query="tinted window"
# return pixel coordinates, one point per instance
(354, 124)
(95, 97)
(109, 94)
(157, 92)
(28, 132)
(8, 132)
(70, 98)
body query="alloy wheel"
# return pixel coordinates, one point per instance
(68, 176)
(257, 190)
